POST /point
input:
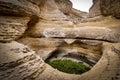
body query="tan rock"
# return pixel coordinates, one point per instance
(69, 41)
(93, 33)
(18, 62)
(100, 21)
(105, 7)
(108, 66)
(45, 53)
(38, 29)
(20, 8)
(41, 43)
(12, 28)
(53, 21)
(95, 9)
(50, 17)
(45, 47)
(66, 7)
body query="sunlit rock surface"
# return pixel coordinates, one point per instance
(98, 33)
(51, 17)
(31, 31)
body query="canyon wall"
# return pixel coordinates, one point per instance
(32, 30)
(105, 7)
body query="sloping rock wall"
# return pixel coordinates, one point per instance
(66, 7)
(105, 7)
(20, 8)
(51, 17)
(44, 26)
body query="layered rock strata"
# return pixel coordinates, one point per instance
(105, 7)
(18, 62)
(32, 30)
(12, 28)
(92, 33)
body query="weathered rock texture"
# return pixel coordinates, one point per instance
(105, 7)
(110, 7)
(12, 28)
(20, 8)
(18, 62)
(66, 7)
(95, 9)
(15, 16)
(98, 33)
(108, 66)
(51, 17)
(47, 27)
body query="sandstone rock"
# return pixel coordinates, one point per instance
(26, 65)
(51, 17)
(51, 12)
(100, 21)
(94, 33)
(40, 18)
(69, 41)
(20, 8)
(11, 28)
(45, 47)
(89, 56)
(110, 7)
(95, 9)
(77, 15)
(45, 53)
(38, 29)
(66, 7)
(107, 67)
(106, 8)
(18, 62)
(41, 43)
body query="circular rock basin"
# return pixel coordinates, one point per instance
(72, 63)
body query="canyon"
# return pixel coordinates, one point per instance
(32, 31)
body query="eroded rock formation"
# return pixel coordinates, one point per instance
(32, 30)
(18, 62)
(105, 7)
(73, 14)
